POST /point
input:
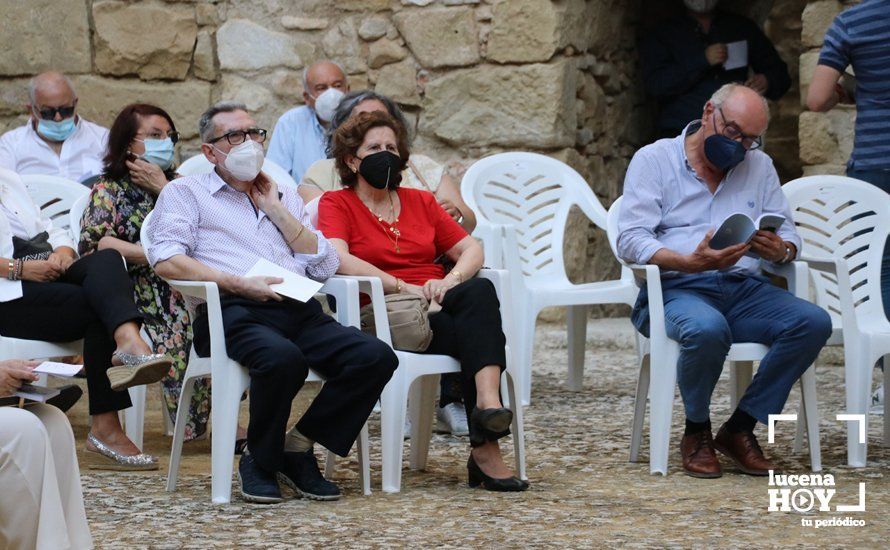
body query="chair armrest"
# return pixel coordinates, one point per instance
(346, 292)
(209, 292)
(826, 265)
(652, 276)
(796, 273)
(373, 287)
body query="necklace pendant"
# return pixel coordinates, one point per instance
(398, 250)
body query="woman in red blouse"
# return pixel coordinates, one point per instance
(382, 230)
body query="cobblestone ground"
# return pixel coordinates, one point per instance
(584, 491)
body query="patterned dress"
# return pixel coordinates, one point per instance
(117, 209)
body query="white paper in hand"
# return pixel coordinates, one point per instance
(736, 55)
(294, 286)
(58, 369)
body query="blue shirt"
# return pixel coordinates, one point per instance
(297, 141)
(860, 36)
(666, 205)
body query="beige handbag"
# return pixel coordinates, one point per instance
(409, 325)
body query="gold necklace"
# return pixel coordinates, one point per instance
(393, 228)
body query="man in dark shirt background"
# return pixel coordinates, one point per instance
(682, 62)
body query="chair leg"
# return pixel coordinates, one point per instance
(225, 401)
(576, 321)
(518, 429)
(525, 343)
(801, 428)
(393, 402)
(168, 423)
(740, 374)
(330, 463)
(134, 417)
(636, 431)
(858, 382)
(811, 413)
(886, 407)
(364, 461)
(663, 361)
(421, 405)
(188, 387)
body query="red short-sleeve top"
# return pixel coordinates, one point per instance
(426, 232)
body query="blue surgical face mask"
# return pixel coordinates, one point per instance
(56, 131)
(158, 151)
(724, 153)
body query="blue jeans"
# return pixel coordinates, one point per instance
(880, 179)
(707, 312)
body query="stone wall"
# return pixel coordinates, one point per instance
(826, 139)
(475, 76)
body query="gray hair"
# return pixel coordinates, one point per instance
(724, 92)
(33, 84)
(308, 67)
(349, 103)
(206, 127)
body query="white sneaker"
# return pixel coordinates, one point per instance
(877, 401)
(452, 418)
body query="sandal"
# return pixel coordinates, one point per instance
(137, 370)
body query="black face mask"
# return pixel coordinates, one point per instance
(382, 170)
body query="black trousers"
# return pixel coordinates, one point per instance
(278, 342)
(90, 301)
(468, 328)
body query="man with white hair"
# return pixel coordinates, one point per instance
(298, 139)
(55, 141)
(676, 191)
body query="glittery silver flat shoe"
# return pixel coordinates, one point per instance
(137, 370)
(106, 458)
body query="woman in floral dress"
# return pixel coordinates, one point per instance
(138, 164)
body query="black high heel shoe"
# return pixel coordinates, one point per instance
(477, 477)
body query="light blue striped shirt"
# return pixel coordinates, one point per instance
(666, 205)
(297, 142)
(860, 36)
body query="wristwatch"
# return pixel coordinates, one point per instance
(788, 255)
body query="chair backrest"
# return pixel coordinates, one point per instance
(76, 215)
(840, 217)
(533, 194)
(199, 164)
(612, 228)
(55, 196)
(144, 239)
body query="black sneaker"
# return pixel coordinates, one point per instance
(257, 485)
(301, 474)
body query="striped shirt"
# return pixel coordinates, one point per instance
(860, 36)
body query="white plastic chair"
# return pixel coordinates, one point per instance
(425, 370)
(134, 417)
(658, 365)
(230, 380)
(199, 164)
(522, 203)
(844, 223)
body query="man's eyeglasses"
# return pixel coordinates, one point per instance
(174, 136)
(49, 113)
(733, 132)
(238, 137)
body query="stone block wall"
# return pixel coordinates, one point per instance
(475, 76)
(826, 139)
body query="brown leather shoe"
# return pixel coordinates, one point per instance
(744, 450)
(699, 458)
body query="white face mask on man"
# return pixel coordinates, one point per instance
(245, 160)
(326, 103)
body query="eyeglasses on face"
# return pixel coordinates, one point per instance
(238, 137)
(49, 113)
(733, 132)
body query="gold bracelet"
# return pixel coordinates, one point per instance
(398, 285)
(300, 232)
(10, 270)
(458, 274)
